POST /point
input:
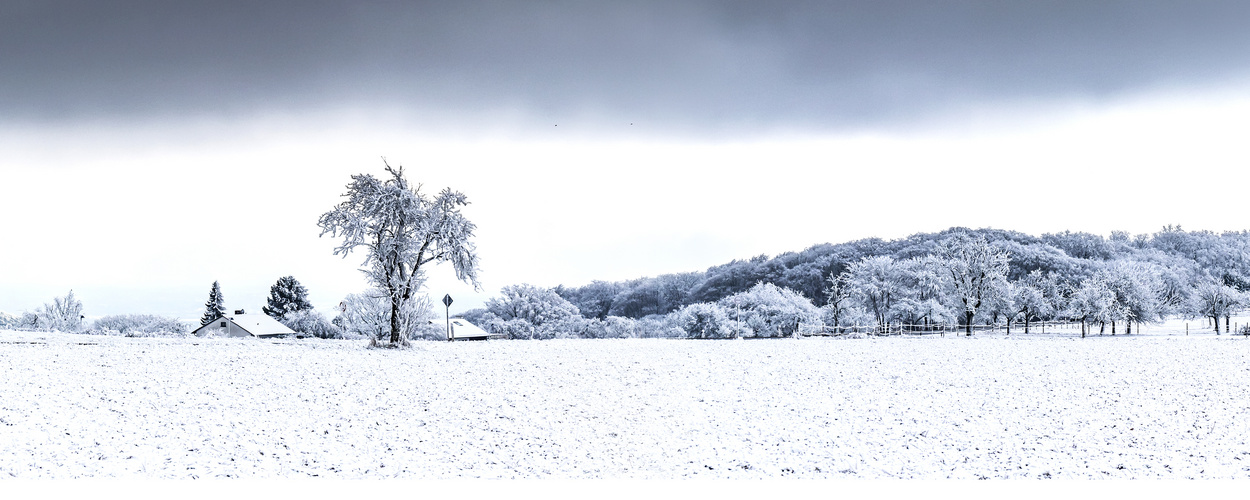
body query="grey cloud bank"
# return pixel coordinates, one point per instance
(695, 66)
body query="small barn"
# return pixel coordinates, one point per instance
(461, 329)
(244, 325)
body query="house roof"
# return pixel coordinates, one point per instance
(256, 324)
(464, 329)
(259, 324)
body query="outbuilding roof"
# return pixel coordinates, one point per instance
(463, 329)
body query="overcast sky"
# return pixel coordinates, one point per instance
(149, 148)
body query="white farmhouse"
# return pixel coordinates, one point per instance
(243, 325)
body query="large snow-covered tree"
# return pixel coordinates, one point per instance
(705, 321)
(1213, 300)
(1137, 290)
(63, 314)
(767, 310)
(877, 283)
(402, 230)
(977, 271)
(1030, 296)
(925, 290)
(285, 297)
(215, 307)
(1094, 300)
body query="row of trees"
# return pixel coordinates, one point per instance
(959, 276)
(65, 314)
(530, 312)
(1069, 257)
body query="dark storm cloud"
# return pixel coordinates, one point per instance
(685, 64)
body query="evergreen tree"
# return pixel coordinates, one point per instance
(285, 297)
(215, 307)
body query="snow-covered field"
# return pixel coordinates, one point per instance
(932, 407)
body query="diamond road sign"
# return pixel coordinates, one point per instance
(447, 300)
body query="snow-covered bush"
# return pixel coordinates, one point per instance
(368, 315)
(308, 322)
(857, 319)
(704, 321)
(139, 325)
(530, 303)
(665, 326)
(517, 329)
(650, 327)
(770, 311)
(475, 316)
(529, 312)
(9, 321)
(595, 329)
(573, 327)
(619, 327)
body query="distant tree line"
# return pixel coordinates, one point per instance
(957, 276)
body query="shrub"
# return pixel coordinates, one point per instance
(571, 327)
(770, 311)
(9, 320)
(537, 306)
(475, 316)
(620, 327)
(308, 322)
(368, 315)
(512, 329)
(704, 321)
(139, 325)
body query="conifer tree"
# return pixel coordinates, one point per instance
(215, 307)
(285, 297)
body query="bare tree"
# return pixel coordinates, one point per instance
(402, 230)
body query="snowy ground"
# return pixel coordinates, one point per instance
(932, 407)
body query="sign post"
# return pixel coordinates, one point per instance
(447, 315)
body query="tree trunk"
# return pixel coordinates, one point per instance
(1216, 319)
(1128, 328)
(1082, 327)
(1113, 328)
(1102, 327)
(394, 319)
(968, 323)
(1026, 323)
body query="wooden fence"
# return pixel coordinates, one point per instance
(809, 330)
